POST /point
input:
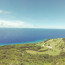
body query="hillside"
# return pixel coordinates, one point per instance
(49, 52)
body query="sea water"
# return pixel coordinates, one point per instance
(10, 36)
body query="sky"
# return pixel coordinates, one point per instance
(32, 14)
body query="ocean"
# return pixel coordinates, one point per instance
(10, 36)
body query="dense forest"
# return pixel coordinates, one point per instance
(49, 52)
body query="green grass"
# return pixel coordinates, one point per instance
(34, 54)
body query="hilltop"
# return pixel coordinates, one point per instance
(48, 52)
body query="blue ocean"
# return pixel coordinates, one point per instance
(10, 36)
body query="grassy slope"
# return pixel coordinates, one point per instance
(57, 45)
(49, 52)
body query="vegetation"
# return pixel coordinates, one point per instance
(49, 52)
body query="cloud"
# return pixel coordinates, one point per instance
(14, 24)
(1, 11)
(21, 24)
(4, 12)
(7, 12)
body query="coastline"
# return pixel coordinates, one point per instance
(37, 41)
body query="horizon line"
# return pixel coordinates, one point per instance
(30, 28)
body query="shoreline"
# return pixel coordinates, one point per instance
(3, 44)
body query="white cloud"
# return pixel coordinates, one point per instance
(14, 24)
(21, 24)
(1, 11)
(7, 12)
(4, 12)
